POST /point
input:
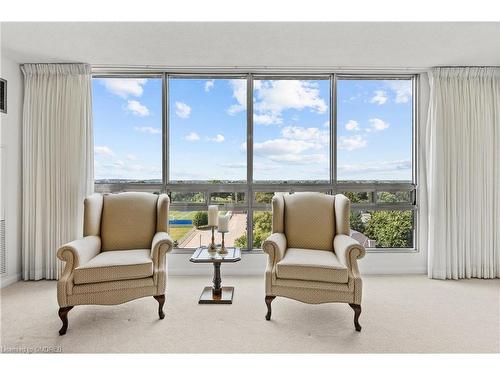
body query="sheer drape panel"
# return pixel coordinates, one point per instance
(57, 161)
(461, 198)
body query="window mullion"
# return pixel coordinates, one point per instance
(165, 132)
(250, 161)
(333, 129)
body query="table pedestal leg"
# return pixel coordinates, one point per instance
(217, 280)
(217, 293)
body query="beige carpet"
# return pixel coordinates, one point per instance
(400, 314)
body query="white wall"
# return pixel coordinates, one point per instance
(10, 124)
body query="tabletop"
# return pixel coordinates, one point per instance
(202, 255)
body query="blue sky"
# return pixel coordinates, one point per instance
(374, 129)
(291, 129)
(127, 118)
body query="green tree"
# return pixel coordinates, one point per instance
(390, 228)
(393, 197)
(262, 223)
(187, 197)
(200, 219)
(263, 197)
(241, 241)
(356, 222)
(356, 197)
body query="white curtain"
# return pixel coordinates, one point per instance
(460, 196)
(57, 162)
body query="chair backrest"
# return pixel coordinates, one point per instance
(310, 220)
(126, 221)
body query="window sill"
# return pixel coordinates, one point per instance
(370, 250)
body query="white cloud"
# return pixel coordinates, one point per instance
(267, 119)
(326, 124)
(380, 97)
(351, 143)
(402, 90)
(265, 167)
(218, 138)
(274, 97)
(131, 157)
(353, 98)
(384, 166)
(300, 158)
(233, 165)
(239, 87)
(298, 145)
(352, 125)
(306, 134)
(234, 109)
(209, 84)
(192, 137)
(182, 110)
(137, 108)
(103, 150)
(289, 151)
(378, 124)
(129, 170)
(279, 95)
(124, 87)
(282, 146)
(147, 129)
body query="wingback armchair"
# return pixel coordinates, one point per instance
(122, 255)
(311, 256)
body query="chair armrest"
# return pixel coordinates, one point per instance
(275, 247)
(79, 251)
(162, 244)
(348, 250)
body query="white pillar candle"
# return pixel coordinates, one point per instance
(223, 223)
(212, 215)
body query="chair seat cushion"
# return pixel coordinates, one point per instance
(311, 265)
(115, 265)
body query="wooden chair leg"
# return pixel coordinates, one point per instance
(357, 313)
(161, 302)
(268, 300)
(63, 314)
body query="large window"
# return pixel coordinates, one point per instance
(235, 140)
(375, 156)
(374, 130)
(291, 124)
(127, 114)
(208, 130)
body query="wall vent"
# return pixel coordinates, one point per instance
(3, 95)
(3, 250)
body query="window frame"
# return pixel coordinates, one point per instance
(250, 187)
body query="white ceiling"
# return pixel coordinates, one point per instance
(418, 45)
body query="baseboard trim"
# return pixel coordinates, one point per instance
(255, 264)
(7, 280)
(399, 271)
(250, 265)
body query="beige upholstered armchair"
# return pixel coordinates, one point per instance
(312, 258)
(122, 255)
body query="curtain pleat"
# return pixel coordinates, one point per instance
(57, 162)
(460, 197)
